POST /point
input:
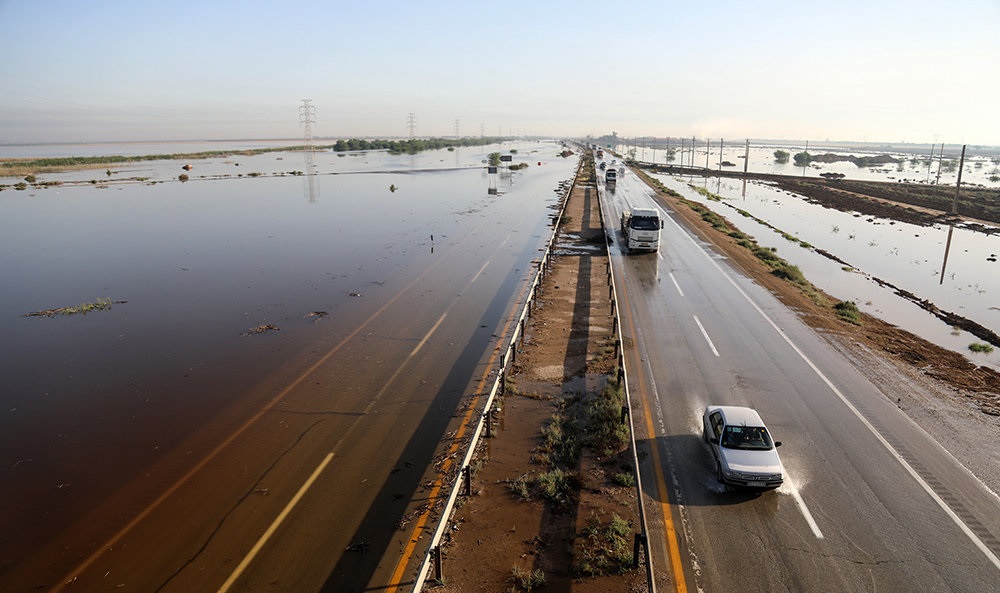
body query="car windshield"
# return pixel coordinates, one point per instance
(746, 437)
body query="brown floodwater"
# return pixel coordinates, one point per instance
(193, 269)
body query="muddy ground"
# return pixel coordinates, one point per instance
(502, 540)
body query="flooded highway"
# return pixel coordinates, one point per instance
(282, 356)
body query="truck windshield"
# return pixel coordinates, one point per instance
(645, 223)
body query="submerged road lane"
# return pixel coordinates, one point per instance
(871, 502)
(308, 491)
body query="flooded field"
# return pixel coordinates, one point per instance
(915, 165)
(876, 252)
(216, 281)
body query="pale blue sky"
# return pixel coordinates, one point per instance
(105, 70)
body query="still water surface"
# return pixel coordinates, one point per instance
(907, 256)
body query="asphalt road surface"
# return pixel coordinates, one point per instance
(870, 502)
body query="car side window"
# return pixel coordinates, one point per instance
(716, 420)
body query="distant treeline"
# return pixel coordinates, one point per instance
(411, 146)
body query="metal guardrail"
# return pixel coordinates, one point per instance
(463, 478)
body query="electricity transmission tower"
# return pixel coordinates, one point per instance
(411, 122)
(307, 117)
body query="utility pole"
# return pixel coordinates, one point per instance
(411, 122)
(307, 117)
(456, 129)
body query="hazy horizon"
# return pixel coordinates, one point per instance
(892, 72)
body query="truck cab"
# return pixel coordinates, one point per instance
(641, 229)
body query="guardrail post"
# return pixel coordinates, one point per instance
(614, 324)
(624, 414)
(439, 564)
(488, 419)
(467, 481)
(640, 541)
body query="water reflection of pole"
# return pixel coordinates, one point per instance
(746, 163)
(954, 213)
(937, 180)
(311, 175)
(930, 161)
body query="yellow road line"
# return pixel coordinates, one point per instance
(418, 528)
(670, 535)
(673, 546)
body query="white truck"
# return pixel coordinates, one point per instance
(641, 229)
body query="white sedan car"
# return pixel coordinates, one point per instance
(744, 453)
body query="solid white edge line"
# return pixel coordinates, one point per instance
(895, 454)
(274, 525)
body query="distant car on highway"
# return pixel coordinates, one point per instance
(744, 453)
